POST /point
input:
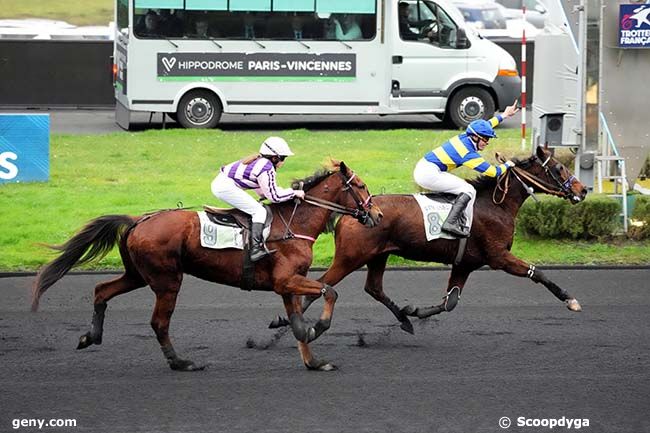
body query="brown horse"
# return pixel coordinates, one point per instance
(402, 233)
(157, 249)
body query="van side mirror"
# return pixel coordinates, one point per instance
(461, 39)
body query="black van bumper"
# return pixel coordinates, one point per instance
(507, 89)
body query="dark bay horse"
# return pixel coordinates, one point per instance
(157, 249)
(402, 233)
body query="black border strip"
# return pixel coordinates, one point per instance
(303, 103)
(422, 93)
(147, 101)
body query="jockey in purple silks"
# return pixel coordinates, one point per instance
(255, 172)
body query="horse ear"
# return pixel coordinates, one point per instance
(541, 153)
(343, 168)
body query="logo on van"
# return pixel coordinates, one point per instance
(169, 63)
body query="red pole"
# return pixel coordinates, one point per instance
(523, 79)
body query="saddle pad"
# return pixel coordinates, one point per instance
(434, 214)
(217, 236)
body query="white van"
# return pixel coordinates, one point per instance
(195, 60)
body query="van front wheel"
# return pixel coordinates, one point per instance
(199, 109)
(469, 104)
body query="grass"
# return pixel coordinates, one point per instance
(132, 173)
(81, 13)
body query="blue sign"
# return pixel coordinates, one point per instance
(24, 147)
(634, 26)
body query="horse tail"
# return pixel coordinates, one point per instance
(92, 242)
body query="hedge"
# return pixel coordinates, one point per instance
(596, 217)
(641, 215)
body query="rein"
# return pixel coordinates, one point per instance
(360, 212)
(539, 183)
(325, 204)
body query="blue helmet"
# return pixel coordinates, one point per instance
(482, 128)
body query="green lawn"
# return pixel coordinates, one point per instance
(81, 13)
(133, 173)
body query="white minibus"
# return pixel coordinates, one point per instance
(197, 59)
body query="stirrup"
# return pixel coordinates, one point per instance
(451, 298)
(260, 253)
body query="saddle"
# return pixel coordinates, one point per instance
(235, 217)
(238, 219)
(442, 197)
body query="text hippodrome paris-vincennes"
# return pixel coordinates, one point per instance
(267, 65)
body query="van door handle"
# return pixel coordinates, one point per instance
(398, 60)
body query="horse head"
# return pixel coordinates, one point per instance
(342, 186)
(546, 174)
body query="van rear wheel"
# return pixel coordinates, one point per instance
(469, 104)
(199, 109)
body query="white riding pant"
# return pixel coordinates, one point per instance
(428, 176)
(226, 189)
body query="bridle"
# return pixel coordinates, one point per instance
(561, 188)
(362, 210)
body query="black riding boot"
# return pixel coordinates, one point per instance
(452, 223)
(258, 249)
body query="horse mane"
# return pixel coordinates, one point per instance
(311, 181)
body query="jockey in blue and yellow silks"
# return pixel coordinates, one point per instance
(433, 170)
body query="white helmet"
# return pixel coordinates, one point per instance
(275, 146)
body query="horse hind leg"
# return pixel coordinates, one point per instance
(457, 281)
(375, 288)
(103, 293)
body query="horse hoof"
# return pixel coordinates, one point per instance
(573, 305)
(279, 322)
(185, 365)
(85, 341)
(327, 367)
(321, 366)
(409, 310)
(407, 326)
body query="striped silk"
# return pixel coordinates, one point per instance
(245, 175)
(260, 176)
(460, 150)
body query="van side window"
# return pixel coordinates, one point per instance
(341, 21)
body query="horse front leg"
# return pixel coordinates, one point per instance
(340, 268)
(518, 267)
(162, 314)
(298, 285)
(455, 285)
(293, 308)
